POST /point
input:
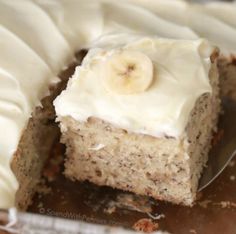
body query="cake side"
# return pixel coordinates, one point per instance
(202, 126)
(32, 152)
(227, 69)
(35, 146)
(105, 155)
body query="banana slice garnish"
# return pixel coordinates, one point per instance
(128, 72)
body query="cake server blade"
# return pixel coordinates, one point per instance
(224, 151)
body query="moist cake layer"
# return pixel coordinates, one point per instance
(109, 143)
(34, 148)
(227, 69)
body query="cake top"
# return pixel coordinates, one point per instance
(147, 86)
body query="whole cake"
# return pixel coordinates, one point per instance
(39, 38)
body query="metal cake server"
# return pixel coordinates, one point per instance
(224, 151)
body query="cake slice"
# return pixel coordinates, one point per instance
(140, 117)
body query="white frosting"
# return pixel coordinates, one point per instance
(80, 21)
(118, 18)
(172, 10)
(224, 11)
(38, 39)
(212, 28)
(34, 26)
(214, 22)
(161, 114)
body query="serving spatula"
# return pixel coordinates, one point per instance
(225, 149)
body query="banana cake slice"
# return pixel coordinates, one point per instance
(140, 116)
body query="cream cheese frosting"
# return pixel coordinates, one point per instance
(31, 24)
(172, 10)
(118, 17)
(86, 95)
(80, 21)
(222, 10)
(38, 39)
(212, 21)
(106, 16)
(208, 26)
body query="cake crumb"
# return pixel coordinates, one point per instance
(146, 225)
(64, 202)
(232, 178)
(199, 196)
(42, 188)
(231, 164)
(192, 231)
(110, 210)
(53, 165)
(226, 204)
(130, 202)
(204, 204)
(40, 205)
(137, 203)
(217, 137)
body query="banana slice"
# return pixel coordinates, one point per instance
(128, 72)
